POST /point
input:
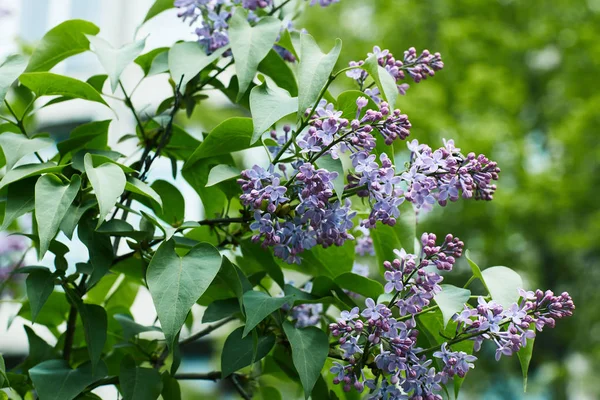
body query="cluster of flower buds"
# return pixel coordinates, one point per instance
(441, 175)
(405, 371)
(214, 18)
(418, 67)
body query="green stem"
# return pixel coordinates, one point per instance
(279, 7)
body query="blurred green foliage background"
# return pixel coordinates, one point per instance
(521, 86)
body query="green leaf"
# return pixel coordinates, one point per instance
(3, 377)
(310, 348)
(333, 165)
(314, 71)
(525, 355)
(503, 284)
(95, 325)
(221, 173)
(268, 105)
(55, 380)
(39, 350)
(401, 236)
(55, 311)
(108, 181)
(264, 259)
(49, 84)
(134, 185)
(9, 72)
(158, 7)
(279, 70)
(171, 389)
(346, 103)
(231, 135)
(475, 269)
(385, 82)
(176, 283)
(93, 135)
(52, 202)
(139, 383)
(19, 201)
(132, 328)
(250, 44)
(76, 211)
(238, 351)
(97, 82)
(330, 262)
(99, 248)
(359, 284)
(219, 309)
(451, 300)
(260, 305)
(114, 60)
(213, 198)
(187, 59)
(29, 170)
(61, 42)
(174, 214)
(146, 61)
(40, 285)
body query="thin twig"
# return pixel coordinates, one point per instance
(206, 331)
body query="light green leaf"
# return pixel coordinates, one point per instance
(385, 82)
(176, 283)
(187, 59)
(525, 355)
(95, 325)
(134, 185)
(29, 170)
(49, 84)
(238, 351)
(475, 268)
(55, 380)
(175, 212)
(250, 44)
(108, 181)
(268, 105)
(52, 201)
(114, 60)
(19, 201)
(310, 348)
(221, 173)
(16, 146)
(333, 165)
(259, 305)
(61, 42)
(158, 7)
(503, 284)
(359, 284)
(40, 285)
(314, 70)
(139, 383)
(9, 72)
(231, 135)
(451, 300)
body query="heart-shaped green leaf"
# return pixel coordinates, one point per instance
(259, 305)
(269, 104)
(108, 181)
(239, 352)
(187, 59)
(55, 380)
(451, 300)
(40, 284)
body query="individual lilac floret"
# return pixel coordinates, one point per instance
(307, 314)
(417, 67)
(443, 174)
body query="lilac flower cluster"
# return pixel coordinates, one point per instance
(405, 371)
(441, 175)
(215, 14)
(417, 67)
(291, 230)
(329, 133)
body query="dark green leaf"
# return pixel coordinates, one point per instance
(39, 350)
(134, 185)
(158, 7)
(40, 285)
(76, 211)
(95, 325)
(171, 389)
(55, 311)
(145, 61)
(3, 377)
(139, 383)
(114, 60)
(314, 70)
(451, 300)
(238, 351)
(219, 309)
(29, 170)
(176, 283)
(330, 262)
(265, 260)
(9, 72)
(169, 194)
(258, 306)
(97, 82)
(52, 202)
(61, 42)
(19, 201)
(359, 284)
(250, 45)
(49, 84)
(93, 135)
(132, 328)
(108, 181)
(187, 59)
(277, 69)
(231, 135)
(310, 348)
(55, 380)
(16, 146)
(268, 105)
(99, 248)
